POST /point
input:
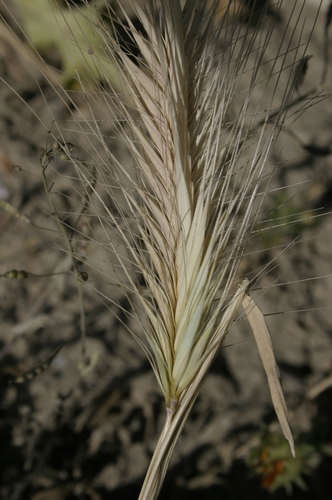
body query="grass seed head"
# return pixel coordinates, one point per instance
(193, 194)
(199, 131)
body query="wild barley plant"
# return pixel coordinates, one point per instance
(185, 213)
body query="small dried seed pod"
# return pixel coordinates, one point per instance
(11, 275)
(83, 276)
(22, 275)
(14, 274)
(37, 370)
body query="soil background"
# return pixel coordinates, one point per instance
(88, 432)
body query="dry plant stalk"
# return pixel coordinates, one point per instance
(186, 213)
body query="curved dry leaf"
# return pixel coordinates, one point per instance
(265, 348)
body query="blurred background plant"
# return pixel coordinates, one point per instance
(272, 461)
(51, 30)
(286, 221)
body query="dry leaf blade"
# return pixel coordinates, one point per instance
(265, 349)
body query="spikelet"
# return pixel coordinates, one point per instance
(193, 197)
